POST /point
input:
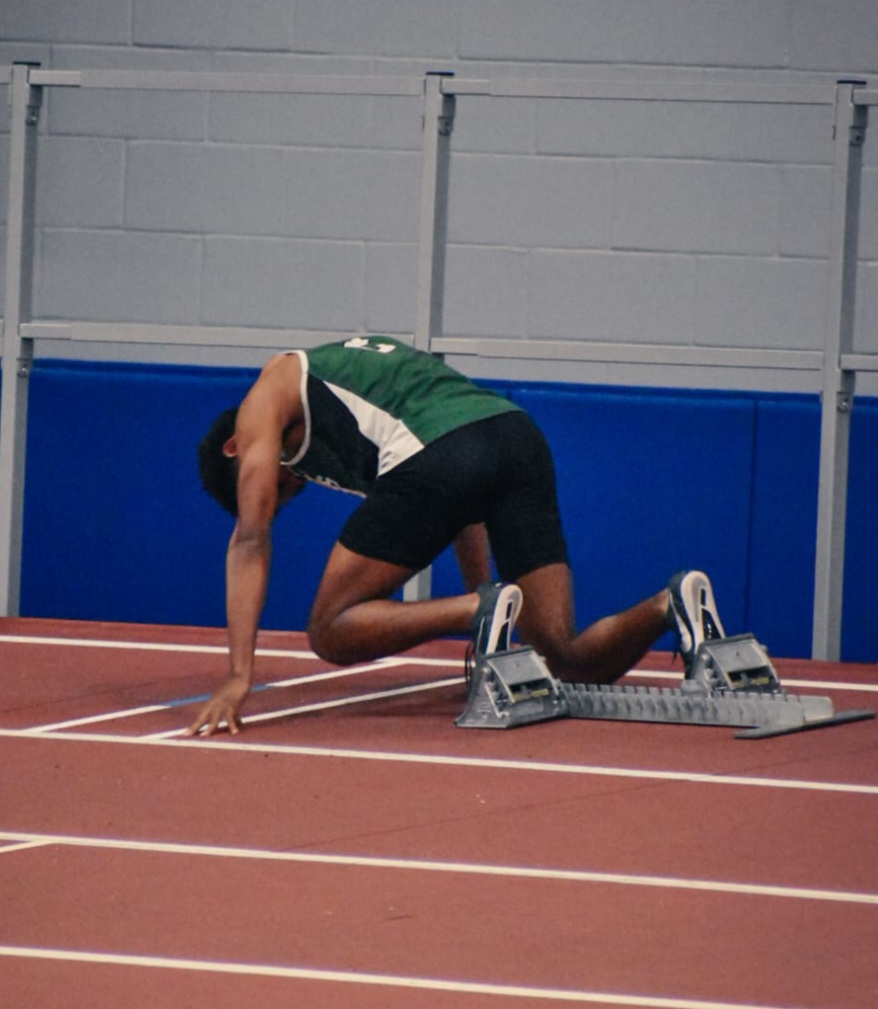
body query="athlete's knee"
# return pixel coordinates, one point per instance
(326, 641)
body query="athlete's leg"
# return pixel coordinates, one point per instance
(602, 652)
(524, 525)
(473, 555)
(353, 620)
(411, 515)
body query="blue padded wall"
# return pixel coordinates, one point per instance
(117, 526)
(860, 621)
(780, 593)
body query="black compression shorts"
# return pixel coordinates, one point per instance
(498, 471)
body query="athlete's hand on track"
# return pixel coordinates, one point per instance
(222, 708)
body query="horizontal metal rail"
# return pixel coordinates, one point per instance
(581, 351)
(585, 352)
(194, 336)
(859, 362)
(183, 80)
(465, 346)
(643, 91)
(631, 353)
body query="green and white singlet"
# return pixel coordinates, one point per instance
(372, 402)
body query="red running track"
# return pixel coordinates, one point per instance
(352, 848)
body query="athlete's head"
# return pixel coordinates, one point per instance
(219, 472)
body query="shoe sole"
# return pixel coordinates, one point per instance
(694, 596)
(507, 606)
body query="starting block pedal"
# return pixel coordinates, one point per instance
(512, 688)
(731, 682)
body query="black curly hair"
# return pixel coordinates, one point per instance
(219, 474)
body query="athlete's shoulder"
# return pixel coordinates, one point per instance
(288, 362)
(276, 391)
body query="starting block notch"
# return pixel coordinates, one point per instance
(731, 682)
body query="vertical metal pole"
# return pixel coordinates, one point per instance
(438, 124)
(17, 352)
(838, 384)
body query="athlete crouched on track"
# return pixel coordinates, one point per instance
(437, 460)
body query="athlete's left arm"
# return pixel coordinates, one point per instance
(473, 555)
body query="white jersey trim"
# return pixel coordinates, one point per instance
(392, 437)
(306, 406)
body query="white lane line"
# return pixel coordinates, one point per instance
(341, 702)
(444, 760)
(152, 646)
(381, 980)
(148, 646)
(8, 848)
(334, 674)
(464, 868)
(109, 716)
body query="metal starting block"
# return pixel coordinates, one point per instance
(731, 682)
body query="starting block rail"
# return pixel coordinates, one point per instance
(731, 682)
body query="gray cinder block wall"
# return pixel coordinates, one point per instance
(622, 222)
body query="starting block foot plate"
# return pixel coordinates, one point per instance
(512, 688)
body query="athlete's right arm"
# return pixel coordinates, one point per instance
(258, 442)
(248, 560)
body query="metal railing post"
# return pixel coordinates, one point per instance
(17, 351)
(837, 396)
(438, 124)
